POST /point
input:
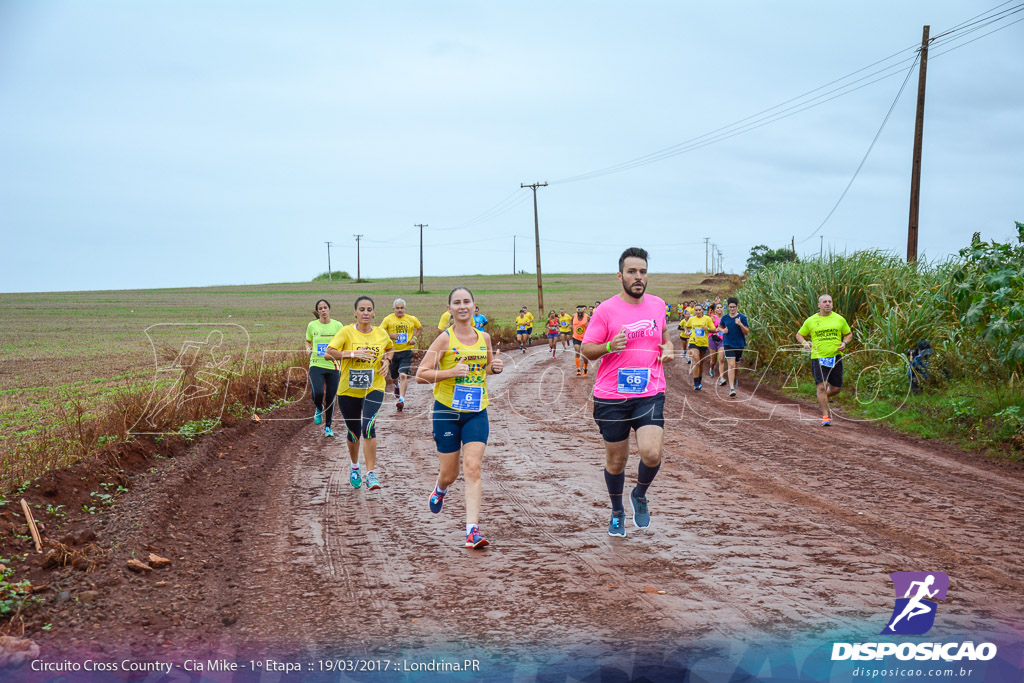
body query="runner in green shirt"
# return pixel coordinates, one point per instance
(829, 334)
(324, 373)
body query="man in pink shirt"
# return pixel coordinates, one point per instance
(629, 334)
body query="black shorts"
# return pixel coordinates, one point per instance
(400, 363)
(577, 342)
(528, 331)
(360, 415)
(833, 375)
(733, 352)
(615, 417)
(701, 350)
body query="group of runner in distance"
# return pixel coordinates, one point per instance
(628, 333)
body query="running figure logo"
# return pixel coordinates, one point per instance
(914, 613)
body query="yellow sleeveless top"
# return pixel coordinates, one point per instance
(469, 393)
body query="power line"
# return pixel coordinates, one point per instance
(910, 71)
(764, 117)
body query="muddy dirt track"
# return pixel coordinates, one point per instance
(765, 525)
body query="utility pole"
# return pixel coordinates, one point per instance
(714, 248)
(821, 246)
(536, 235)
(792, 245)
(421, 226)
(706, 253)
(329, 278)
(359, 277)
(915, 173)
(513, 254)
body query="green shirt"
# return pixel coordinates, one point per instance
(826, 332)
(320, 335)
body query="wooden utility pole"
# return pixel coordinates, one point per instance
(536, 235)
(329, 278)
(514, 254)
(359, 277)
(792, 245)
(915, 173)
(421, 226)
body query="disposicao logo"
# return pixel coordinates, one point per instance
(917, 598)
(914, 612)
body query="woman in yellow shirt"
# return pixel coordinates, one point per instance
(365, 352)
(701, 328)
(457, 364)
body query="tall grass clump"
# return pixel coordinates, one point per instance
(968, 308)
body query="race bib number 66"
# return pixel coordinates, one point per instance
(633, 380)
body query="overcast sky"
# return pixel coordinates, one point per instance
(162, 144)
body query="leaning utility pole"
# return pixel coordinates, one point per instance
(359, 277)
(421, 226)
(536, 235)
(329, 278)
(915, 173)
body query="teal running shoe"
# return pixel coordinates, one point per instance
(617, 527)
(641, 513)
(372, 482)
(355, 478)
(318, 417)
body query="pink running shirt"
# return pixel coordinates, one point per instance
(636, 371)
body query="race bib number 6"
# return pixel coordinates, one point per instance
(633, 380)
(467, 398)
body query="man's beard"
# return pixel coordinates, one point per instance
(629, 289)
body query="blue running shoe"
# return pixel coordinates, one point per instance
(617, 527)
(436, 500)
(318, 417)
(372, 482)
(475, 540)
(328, 432)
(641, 513)
(355, 478)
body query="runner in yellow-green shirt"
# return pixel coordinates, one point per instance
(701, 326)
(457, 364)
(324, 373)
(524, 326)
(365, 352)
(564, 327)
(826, 336)
(402, 328)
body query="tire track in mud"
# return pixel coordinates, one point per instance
(762, 528)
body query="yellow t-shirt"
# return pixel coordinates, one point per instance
(523, 322)
(684, 328)
(360, 377)
(700, 328)
(445, 321)
(826, 333)
(563, 323)
(319, 336)
(406, 325)
(469, 393)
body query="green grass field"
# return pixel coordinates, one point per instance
(91, 343)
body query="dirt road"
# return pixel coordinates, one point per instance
(765, 526)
